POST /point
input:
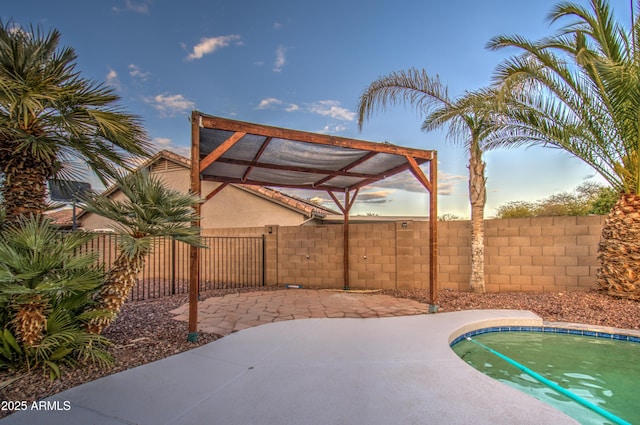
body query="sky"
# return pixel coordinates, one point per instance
(303, 65)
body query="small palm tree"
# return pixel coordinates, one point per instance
(469, 121)
(38, 264)
(151, 210)
(579, 91)
(46, 284)
(50, 117)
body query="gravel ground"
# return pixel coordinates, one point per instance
(145, 331)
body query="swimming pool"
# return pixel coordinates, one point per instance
(602, 368)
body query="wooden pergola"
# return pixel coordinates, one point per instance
(230, 151)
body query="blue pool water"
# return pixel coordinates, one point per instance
(603, 371)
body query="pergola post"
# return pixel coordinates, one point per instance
(194, 251)
(433, 234)
(346, 209)
(345, 236)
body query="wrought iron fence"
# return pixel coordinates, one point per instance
(227, 262)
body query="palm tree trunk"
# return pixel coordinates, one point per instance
(619, 249)
(30, 321)
(24, 186)
(121, 278)
(477, 196)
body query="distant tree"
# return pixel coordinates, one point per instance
(588, 198)
(516, 209)
(603, 201)
(50, 116)
(563, 204)
(449, 217)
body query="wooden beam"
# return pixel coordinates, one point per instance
(256, 158)
(337, 201)
(215, 191)
(218, 123)
(194, 253)
(360, 161)
(294, 168)
(224, 179)
(220, 150)
(386, 174)
(417, 172)
(353, 199)
(345, 171)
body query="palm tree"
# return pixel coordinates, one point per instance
(50, 118)
(469, 121)
(151, 210)
(579, 90)
(46, 285)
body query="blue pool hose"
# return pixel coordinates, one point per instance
(554, 386)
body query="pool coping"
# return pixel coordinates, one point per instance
(596, 331)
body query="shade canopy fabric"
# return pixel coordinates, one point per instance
(239, 152)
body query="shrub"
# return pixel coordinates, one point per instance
(47, 284)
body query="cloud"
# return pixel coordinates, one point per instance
(15, 29)
(447, 183)
(272, 103)
(376, 197)
(269, 102)
(332, 108)
(325, 108)
(170, 104)
(406, 181)
(281, 60)
(332, 129)
(164, 143)
(211, 44)
(136, 72)
(136, 7)
(113, 80)
(292, 107)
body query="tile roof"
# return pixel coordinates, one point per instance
(62, 217)
(310, 208)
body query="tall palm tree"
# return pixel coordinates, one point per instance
(50, 117)
(151, 210)
(469, 121)
(579, 90)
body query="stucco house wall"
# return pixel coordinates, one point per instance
(233, 207)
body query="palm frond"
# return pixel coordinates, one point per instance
(413, 87)
(150, 210)
(577, 91)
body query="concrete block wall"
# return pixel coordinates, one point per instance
(382, 255)
(526, 254)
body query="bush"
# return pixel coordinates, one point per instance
(47, 284)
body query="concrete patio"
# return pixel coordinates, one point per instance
(387, 370)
